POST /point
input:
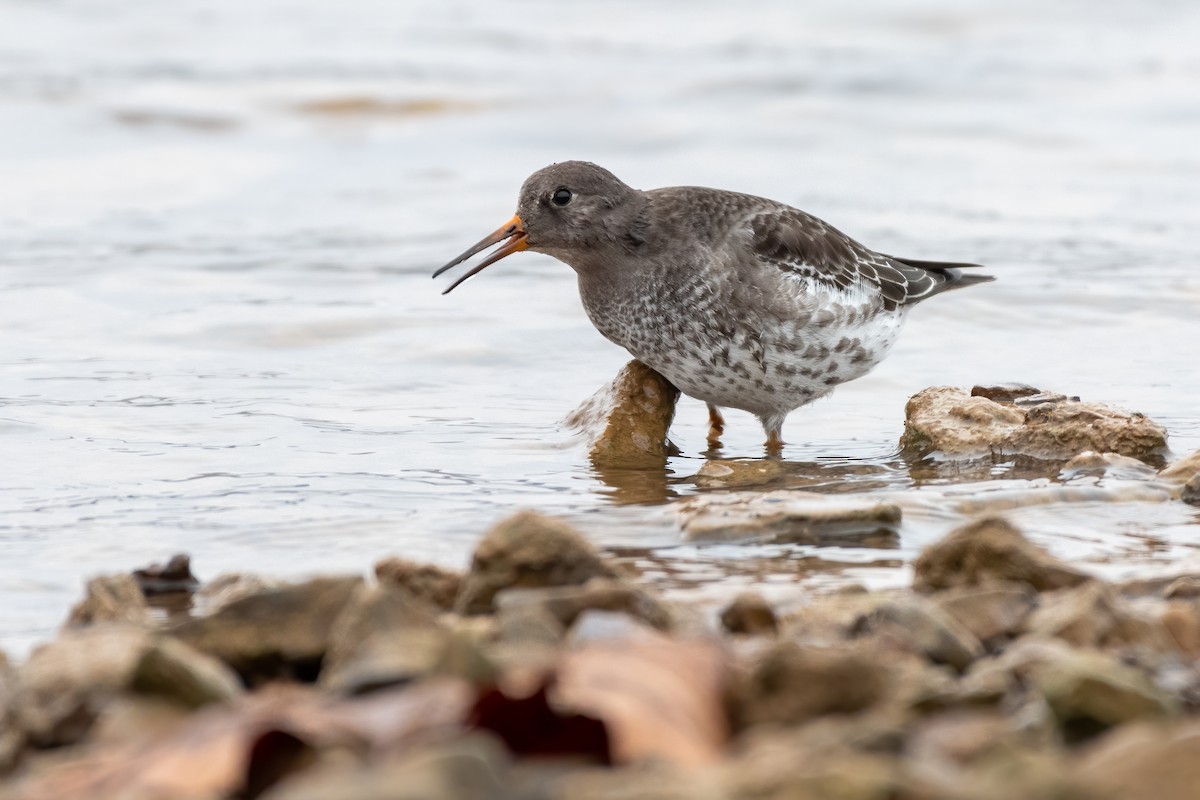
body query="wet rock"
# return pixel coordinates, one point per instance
(110, 598)
(1094, 615)
(434, 584)
(528, 550)
(987, 551)
(66, 683)
(280, 632)
(789, 517)
(919, 626)
(948, 420)
(791, 684)
(751, 614)
(1144, 762)
(383, 636)
(992, 614)
(12, 733)
(171, 577)
(566, 603)
(626, 422)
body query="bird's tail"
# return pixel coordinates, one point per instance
(951, 273)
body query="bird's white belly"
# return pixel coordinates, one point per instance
(772, 372)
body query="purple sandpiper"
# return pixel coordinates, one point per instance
(740, 301)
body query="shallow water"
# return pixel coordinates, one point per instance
(217, 223)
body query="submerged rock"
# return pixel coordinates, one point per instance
(626, 422)
(528, 550)
(789, 517)
(987, 551)
(948, 420)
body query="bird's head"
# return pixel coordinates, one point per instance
(575, 211)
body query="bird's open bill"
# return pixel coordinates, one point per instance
(513, 231)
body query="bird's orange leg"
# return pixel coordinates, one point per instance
(716, 425)
(774, 442)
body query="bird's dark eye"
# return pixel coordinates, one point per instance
(561, 196)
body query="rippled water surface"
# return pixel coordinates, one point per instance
(218, 220)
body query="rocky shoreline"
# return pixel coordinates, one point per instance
(548, 669)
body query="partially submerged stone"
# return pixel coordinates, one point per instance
(950, 421)
(528, 550)
(789, 517)
(626, 422)
(987, 551)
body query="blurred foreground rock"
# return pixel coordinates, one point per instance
(1002, 673)
(626, 422)
(528, 550)
(1022, 421)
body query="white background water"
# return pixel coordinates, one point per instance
(217, 223)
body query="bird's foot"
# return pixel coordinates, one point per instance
(774, 444)
(716, 426)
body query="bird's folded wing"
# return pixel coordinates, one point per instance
(802, 245)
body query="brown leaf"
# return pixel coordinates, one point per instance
(654, 699)
(245, 749)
